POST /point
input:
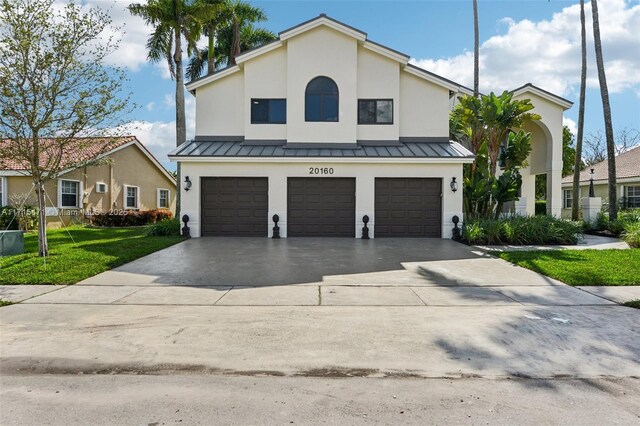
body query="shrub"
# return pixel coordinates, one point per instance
(129, 217)
(541, 207)
(519, 230)
(615, 227)
(164, 227)
(24, 219)
(632, 234)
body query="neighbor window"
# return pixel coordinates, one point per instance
(321, 100)
(69, 193)
(3, 192)
(632, 195)
(568, 198)
(163, 198)
(268, 111)
(101, 187)
(375, 111)
(131, 194)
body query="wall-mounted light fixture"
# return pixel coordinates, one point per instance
(187, 183)
(591, 191)
(454, 184)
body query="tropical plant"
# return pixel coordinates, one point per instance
(486, 125)
(235, 33)
(519, 230)
(173, 20)
(583, 86)
(606, 108)
(54, 87)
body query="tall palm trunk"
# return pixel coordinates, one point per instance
(235, 45)
(181, 128)
(606, 107)
(583, 86)
(476, 51)
(211, 57)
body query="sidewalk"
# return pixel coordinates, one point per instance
(592, 242)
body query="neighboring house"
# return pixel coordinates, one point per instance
(132, 179)
(627, 182)
(323, 127)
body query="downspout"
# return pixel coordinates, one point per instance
(111, 202)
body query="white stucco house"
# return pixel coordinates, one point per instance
(323, 127)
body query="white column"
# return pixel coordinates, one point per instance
(590, 208)
(278, 203)
(365, 204)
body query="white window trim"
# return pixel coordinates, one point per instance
(168, 198)
(80, 195)
(3, 188)
(124, 197)
(106, 188)
(564, 198)
(625, 191)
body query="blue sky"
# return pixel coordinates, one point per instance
(521, 41)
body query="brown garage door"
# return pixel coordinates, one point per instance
(321, 207)
(408, 207)
(234, 206)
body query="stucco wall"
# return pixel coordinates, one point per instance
(424, 108)
(364, 174)
(600, 189)
(223, 108)
(130, 167)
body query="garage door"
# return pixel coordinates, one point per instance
(321, 207)
(408, 207)
(234, 206)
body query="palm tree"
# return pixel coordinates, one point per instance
(172, 20)
(210, 27)
(476, 51)
(583, 86)
(234, 28)
(606, 107)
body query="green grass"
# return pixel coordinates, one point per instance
(633, 303)
(582, 267)
(5, 303)
(95, 250)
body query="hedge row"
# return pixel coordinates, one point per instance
(129, 217)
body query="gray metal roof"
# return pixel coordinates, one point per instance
(399, 150)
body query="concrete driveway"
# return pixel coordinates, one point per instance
(330, 307)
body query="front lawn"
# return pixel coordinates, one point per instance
(582, 267)
(95, 250)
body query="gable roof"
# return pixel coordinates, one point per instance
(78, 151)
(324, 20)
(564, 103)
(627, 166)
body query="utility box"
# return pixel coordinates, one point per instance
(11, 242)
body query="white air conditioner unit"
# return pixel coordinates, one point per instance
(101, 187)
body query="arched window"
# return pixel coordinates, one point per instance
(321, 100)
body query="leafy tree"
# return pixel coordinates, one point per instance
(583, 87)
(487, 126)
(606, 108)
(235, 33)
(54, 85)
(173, 21)
(568, 153)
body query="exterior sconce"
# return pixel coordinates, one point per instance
(591, 191)
(187, 183)
(454, 184)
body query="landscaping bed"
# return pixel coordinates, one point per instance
(95, 250)
(582, 267)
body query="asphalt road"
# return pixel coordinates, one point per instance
(222, 400)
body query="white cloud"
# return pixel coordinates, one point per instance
(571, 124)
(151, 106)
(160, 136)
(547, 53)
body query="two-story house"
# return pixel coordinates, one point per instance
(323, 127)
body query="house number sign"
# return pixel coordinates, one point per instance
(320, 170)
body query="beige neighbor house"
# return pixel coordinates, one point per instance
(627, 182)
(132, 179)
(329, 130)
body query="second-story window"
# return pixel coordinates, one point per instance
(375, 111)
(321, 100)
(268, 111)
